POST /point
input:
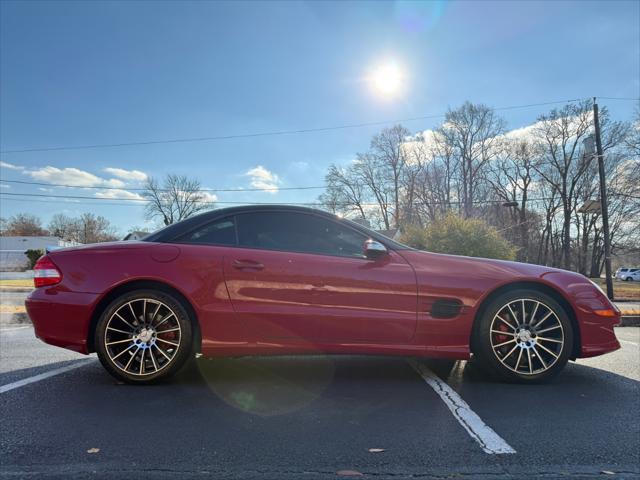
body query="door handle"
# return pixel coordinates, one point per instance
(247, 265)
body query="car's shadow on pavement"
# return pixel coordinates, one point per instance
(470, 372)
(310, 370)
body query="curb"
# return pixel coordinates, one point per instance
(14, 319)
(630, 321)
(6, 288)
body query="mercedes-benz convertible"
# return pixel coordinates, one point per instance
(275, 280)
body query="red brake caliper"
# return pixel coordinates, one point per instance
(502, 338)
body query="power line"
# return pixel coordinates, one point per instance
(269, 189)
(123, 202)
(33, 200)
(620, 98)
(267, 134)
(84, 197)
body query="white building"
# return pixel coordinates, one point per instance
(12, 250)
(137, 235)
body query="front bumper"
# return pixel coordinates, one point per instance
(597, 334)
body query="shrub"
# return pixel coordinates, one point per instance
(33, 256)
(460, 236)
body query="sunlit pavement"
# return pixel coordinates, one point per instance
(312, 417)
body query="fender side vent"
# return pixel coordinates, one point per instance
(446, 308)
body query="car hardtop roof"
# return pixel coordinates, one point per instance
(210, 215)
(171, 232)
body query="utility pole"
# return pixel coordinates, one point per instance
(603, 201)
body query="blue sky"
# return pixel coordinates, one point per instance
(79, 73)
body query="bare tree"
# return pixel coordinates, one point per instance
(467, 164)
(178, 198)
(623, 180)
(564, 164)
(391, 161)
(632, 141)
(94, 228)
(373, 176)
(511, 176)
(24, 224)
(87, 228)
(560, 134)
(435, 187)
(472, 131)
(345, 192)
(63, 226)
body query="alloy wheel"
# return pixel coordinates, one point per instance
(527, 336)
(142, 337)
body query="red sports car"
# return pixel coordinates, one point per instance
(269, 280)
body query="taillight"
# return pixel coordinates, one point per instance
(46, 273)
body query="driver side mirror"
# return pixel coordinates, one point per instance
(374, 250)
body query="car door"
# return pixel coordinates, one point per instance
(303, 277)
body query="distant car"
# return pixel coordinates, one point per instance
(270, 280)
(631, 276)
(628, 274)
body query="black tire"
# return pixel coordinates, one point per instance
(156, 356)
(628, 279)
(521, 355)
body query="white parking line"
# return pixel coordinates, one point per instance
(489, 440)
(629, 342)
(42, 376)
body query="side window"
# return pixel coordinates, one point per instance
(298, 232)
(218, 232)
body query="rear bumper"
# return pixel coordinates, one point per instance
(61, 318)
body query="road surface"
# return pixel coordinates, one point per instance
(63, 416)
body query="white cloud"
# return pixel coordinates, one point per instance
(418, 145)
(209, 197)
(118, 193)
(134, 175)
(4, 185)
(72, 176)
(10, 166)
(571, 124)
(263, 178)
(523, 133)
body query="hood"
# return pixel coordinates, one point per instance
(489, 267)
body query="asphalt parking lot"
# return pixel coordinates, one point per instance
(62, 416)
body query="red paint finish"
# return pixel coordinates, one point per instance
(251, 301)
(298, 297)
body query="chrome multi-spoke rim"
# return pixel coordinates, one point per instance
(142, 337)
(527, 336)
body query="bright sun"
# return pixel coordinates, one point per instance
(387, 79)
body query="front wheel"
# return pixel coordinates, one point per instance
(628, 279)
(144, 336)
(524, 336)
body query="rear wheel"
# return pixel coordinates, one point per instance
(524, 336)
(144, 336)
